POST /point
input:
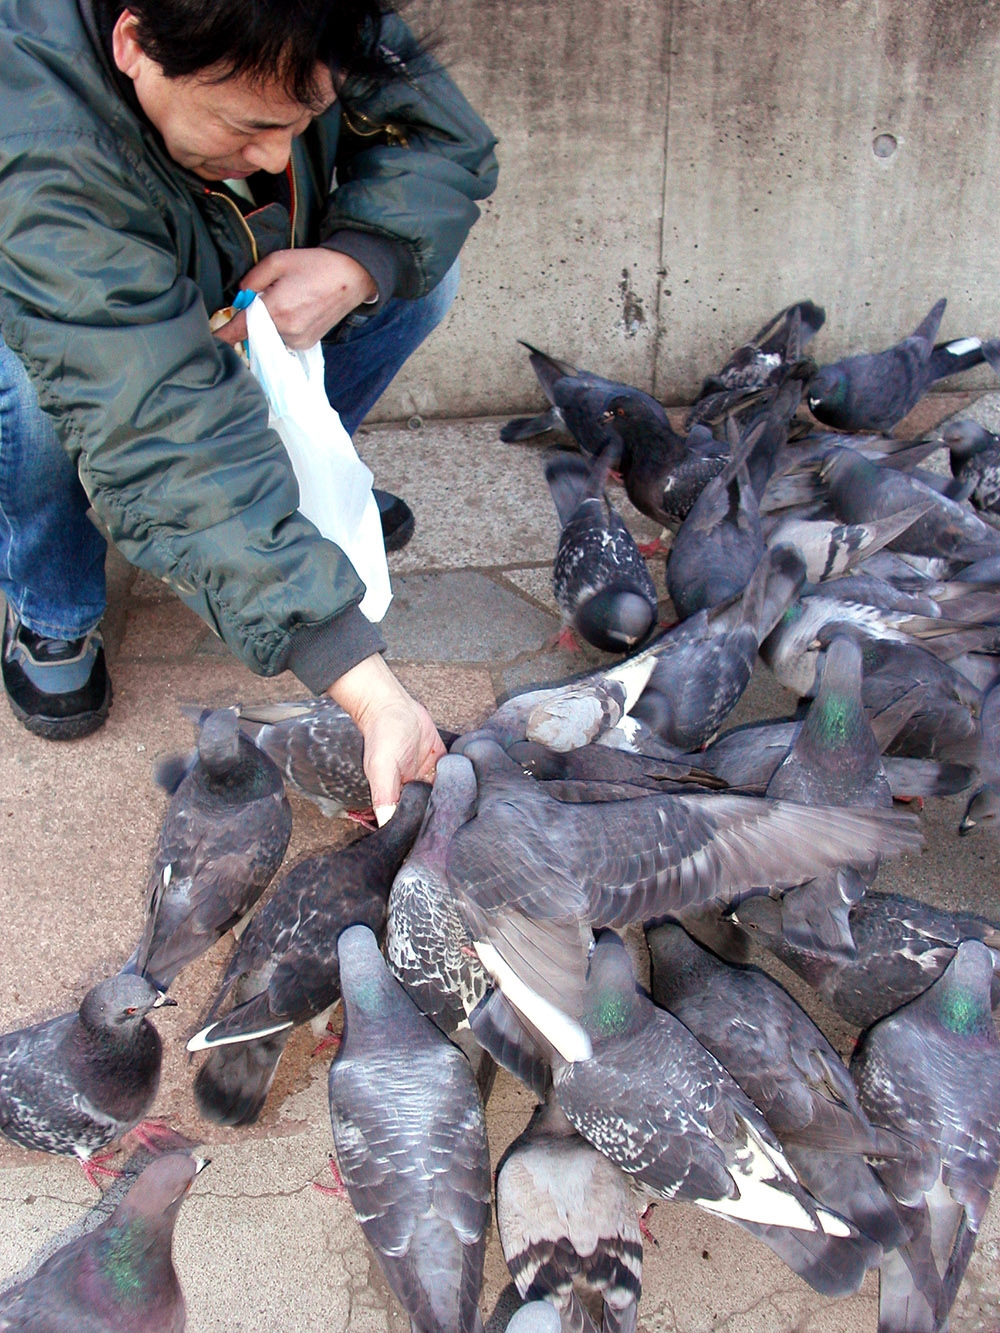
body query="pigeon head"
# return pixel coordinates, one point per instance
(162, 1187)
(836, 721)
(676, 959)
(610, 1001)
(121, 1002)
(960, 998)
(370, 992)
(827, 390)
(219, 741)
(760, 917)
(983, 808)
(615, 619)
(964, 438)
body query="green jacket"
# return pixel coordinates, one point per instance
(112, 257)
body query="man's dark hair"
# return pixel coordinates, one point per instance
(261, 38)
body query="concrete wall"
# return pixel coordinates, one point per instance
(674, 171)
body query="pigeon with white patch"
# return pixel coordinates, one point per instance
(79, 1082)
(119, 1276)
(568, 1224)
(791, 1073)
(223, 838)
(875, 390)
(656, 1102)
(599, 579)
(410, 1138)
(931, 1072)
(285, 971)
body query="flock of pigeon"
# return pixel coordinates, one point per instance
(511, 897)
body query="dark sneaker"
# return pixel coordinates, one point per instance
(397, 519)
(59, 688)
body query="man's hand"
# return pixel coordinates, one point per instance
(306, 293)
(401, 741)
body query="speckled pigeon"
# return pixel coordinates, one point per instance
(656, 1102)
(223, 838)
(411, 1145)
(974, 454)
(901, 944)
(119, 1276)
(285, 970)
(76, 1083)
(566, 1214)
(599, 579)
(791, 1073)
(931, 1072)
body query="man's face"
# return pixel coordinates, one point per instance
(219, 130)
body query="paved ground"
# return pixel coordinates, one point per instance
(258, 1248)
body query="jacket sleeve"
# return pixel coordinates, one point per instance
(166, 425)
(412, 158)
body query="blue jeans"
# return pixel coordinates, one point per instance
(52, 555)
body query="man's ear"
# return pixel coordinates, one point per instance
(128, 54)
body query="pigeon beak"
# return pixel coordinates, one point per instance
(163, 1001)
(200, 1163)
(966, 826)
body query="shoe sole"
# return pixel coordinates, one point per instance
(63, 728)
(401, 536)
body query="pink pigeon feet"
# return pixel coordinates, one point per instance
(332, 1039)
(366, 818)
(94, 1166)
(158, 1136)
(338, 1189)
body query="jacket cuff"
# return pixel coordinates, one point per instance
(320, 654)
(381, 257)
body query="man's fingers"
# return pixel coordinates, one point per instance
(235, 331)
(383, 813)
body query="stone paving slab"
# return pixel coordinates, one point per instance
(257, 1248)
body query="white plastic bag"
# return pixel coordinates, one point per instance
(335, 487)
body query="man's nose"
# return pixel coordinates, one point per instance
(269, 151)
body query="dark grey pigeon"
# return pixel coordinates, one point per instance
(599, 579)
(317, 747)
(974, 453)
(901, 947)
(704, 664)
(411, 1145)
(664, 473)
(757, 365)
(657, 1103)
(876, 390)
(860, 491)
(119, 1276)
(223, 838)
(567, 1218)
(719, 544)
(791, 1073)
(79, 1082)
(530, 873)
(578, 401)
(285, 970)
(931, 1072)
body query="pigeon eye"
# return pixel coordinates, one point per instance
(130, 1011)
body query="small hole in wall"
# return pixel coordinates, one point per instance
(884, 145)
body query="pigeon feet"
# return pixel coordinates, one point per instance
(338, 1189)
(646, 549)
(332, 1039)
(366, 818)
(94, 1166)
(644, 1230)
(158, 1136)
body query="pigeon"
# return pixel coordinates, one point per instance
(410, 1138)
(830, 549)
(121, 1274)
(79, 1082)
(664, 473)
(931, 1072)
(974, 454)
(874, 391)
(860, 491)
(566, 1216)
(535, 1317)
(657, 1103)
(285, 972)
(791, 1073)
(578, 401)
(719, 544)
(599, 579)
(530, 874)
(704, 664)
(223, 838)
(757, 365)
(316, 746)
(901, 944)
